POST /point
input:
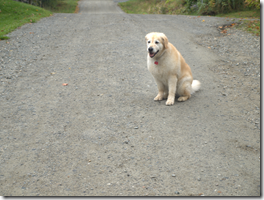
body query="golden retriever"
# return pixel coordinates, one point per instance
(169, 69)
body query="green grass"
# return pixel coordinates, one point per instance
(251, 26)
(249, 20)
(242, 14)
(170, 7)
(14, 14)
(64, 6)
(174, 7)
(136, 6)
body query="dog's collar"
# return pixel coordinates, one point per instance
(156, 62)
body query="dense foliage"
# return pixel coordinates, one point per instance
(41, 3)
(212, 7)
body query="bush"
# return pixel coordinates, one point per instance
(213, 7)
(253, 4)
(49, 3)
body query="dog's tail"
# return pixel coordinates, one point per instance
(195, 86)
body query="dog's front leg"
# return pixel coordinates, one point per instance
(161, 89)
(172, 84)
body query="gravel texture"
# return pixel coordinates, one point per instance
(101, 134)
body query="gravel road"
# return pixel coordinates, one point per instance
(102, 134)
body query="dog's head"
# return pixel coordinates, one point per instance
(156, 43)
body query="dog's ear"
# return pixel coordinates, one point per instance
(164, 40)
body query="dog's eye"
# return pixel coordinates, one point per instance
(157, 42)
(148, 41)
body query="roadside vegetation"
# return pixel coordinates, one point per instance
(247, 10)
(61, 6)
(14, 14)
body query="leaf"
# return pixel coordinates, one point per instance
(64, 84)
(203, 21)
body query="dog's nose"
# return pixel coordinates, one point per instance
(150, 49)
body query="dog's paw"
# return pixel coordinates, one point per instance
(158, 98)
(169, 102)
(183, 98)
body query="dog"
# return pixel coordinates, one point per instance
(169, 69)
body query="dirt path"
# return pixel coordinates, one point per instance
(103, 134)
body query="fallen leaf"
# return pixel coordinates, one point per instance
(219, 192)
(65, 84)
(209, 47)
(203, 20)
(31, 32)
(220, 26)
(69, 68)
(52, 73)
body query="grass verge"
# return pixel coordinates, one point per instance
(251, 26)
(250, 19)
(152, 7)
(14, 14)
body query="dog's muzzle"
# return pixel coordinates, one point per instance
(151, 54)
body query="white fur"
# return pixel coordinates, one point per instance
(195, 86)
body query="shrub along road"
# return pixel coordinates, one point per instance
(78, 116)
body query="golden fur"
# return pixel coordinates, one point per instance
(171, 73)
